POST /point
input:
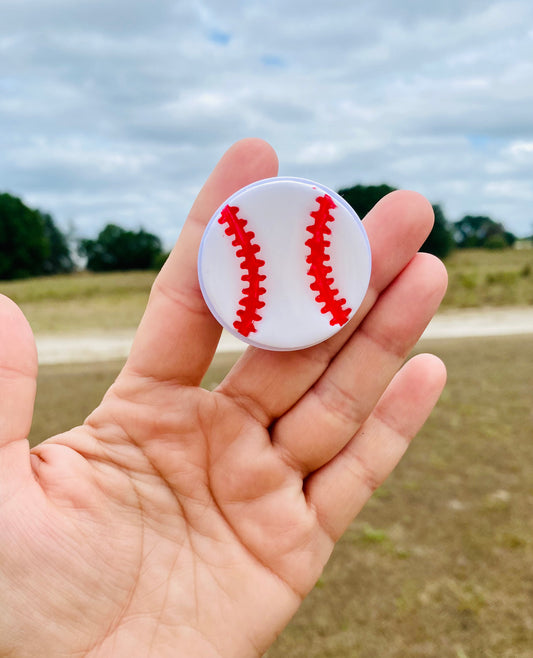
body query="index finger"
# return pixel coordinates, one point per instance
(178, 336)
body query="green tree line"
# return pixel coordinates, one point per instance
(31, 244)
(469, 232)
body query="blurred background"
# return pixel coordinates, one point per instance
(111, 117)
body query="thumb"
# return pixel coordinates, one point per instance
(18, 373)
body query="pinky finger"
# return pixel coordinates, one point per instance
(339, 490)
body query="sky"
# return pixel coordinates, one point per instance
(117, 110)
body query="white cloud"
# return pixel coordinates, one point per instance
(521, 150)
(117, 111)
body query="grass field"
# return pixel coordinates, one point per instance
(91, 302)
(440, 562)
(83, 301)
(478, 277)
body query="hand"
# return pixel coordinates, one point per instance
(181, 522)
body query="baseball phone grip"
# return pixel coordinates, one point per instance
(284, 263)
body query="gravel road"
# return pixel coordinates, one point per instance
(104, 346)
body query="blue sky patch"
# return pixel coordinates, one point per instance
(479, 142)
(220, 37)
(274, 61)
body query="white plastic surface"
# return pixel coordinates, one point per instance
(278, 212)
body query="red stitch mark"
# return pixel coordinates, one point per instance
(250, 301)
(322, 283)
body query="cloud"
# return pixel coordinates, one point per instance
(117, 112)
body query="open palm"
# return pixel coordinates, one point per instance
(181, 522)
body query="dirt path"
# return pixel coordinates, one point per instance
(104, 346)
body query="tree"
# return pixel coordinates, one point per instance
(23, 246)
(481, 231)
(440, 241)
(30, 242)
(59, 258)
(363, 198)
(116, 248)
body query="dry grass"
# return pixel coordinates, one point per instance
(86, 301)
(479, 277)
(440, 562)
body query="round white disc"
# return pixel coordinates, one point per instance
(284, 263)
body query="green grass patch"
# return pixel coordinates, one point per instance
(370, 535)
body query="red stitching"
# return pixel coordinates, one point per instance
(248, 251)
(322, 283)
